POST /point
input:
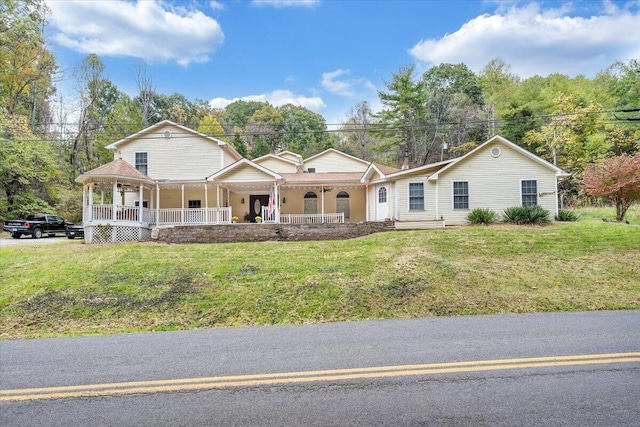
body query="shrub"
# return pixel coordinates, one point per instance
(526, 215)
(567, 216)
(482, 216)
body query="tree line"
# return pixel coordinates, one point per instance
(46, 142)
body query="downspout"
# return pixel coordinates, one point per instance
(437, 202)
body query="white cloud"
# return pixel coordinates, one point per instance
(347, 87)
(286, 3)
(276, 98)
(216, 5)
(151, 30)
(534, 41)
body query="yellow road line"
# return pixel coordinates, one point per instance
(182, 384)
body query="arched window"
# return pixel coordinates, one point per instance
(382, 195)
(310, 203)
(342, 204)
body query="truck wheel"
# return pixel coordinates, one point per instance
(16, 235)
(71, 236)
(37, 233)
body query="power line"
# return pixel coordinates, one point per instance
(263, 129)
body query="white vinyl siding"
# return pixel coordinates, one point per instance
(495, 183)
(335, 162)
(460, 195)
(183, 156)
(278, 166)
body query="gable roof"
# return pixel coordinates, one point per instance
(333, 150)
(276, 157)
(239, 165)
(515, 147)
(113, 146)
(289, 154)
(115, 169)
(381, 170)
(424, 168)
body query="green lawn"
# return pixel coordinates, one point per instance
(69, 288)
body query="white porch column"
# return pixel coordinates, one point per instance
(114, 201)
(140, 202)
(182, 210)
(276, 203)
(84, 202)
(90, 205)
(206, 202)
(322, 202)
(102, 197)
(366, 203)
(157, 204)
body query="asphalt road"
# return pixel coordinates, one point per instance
(541, 369)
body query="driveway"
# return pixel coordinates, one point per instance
(8, 241)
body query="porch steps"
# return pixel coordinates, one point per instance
(419, 225)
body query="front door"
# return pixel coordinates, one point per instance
(382, 202)
(256, 202)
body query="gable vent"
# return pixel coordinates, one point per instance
(167, 134)
(495, 152)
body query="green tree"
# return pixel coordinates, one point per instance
(26, 65)
(266, 125)
(209, 125)
(304, 132)
(28, 169)
(403, 120)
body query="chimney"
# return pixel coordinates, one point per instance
(405, 164)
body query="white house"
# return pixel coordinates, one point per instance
(170, 175)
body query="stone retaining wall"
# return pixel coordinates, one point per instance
(264, 232)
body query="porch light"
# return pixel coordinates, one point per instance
(284, 200)
(242, 201)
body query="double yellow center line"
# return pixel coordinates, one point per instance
(183, 384)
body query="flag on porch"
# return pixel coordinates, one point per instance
(271, 201)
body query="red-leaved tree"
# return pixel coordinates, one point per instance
(617, 178)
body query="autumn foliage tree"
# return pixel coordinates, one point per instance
(618, 179)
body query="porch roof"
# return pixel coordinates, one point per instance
(118, 169)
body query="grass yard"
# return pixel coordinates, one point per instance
(69, 288)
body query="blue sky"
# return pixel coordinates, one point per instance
(328, 55)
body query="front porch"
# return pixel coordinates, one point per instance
(143, 217)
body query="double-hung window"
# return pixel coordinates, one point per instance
(416, 196)
(460, 195)
(529, 192)
(141, 162)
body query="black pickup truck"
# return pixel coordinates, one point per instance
(36, 226)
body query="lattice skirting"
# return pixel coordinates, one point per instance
(97, 234)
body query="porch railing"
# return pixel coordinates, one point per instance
(179, 216)
(312, 218)
(121, 213)
(152, 217)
